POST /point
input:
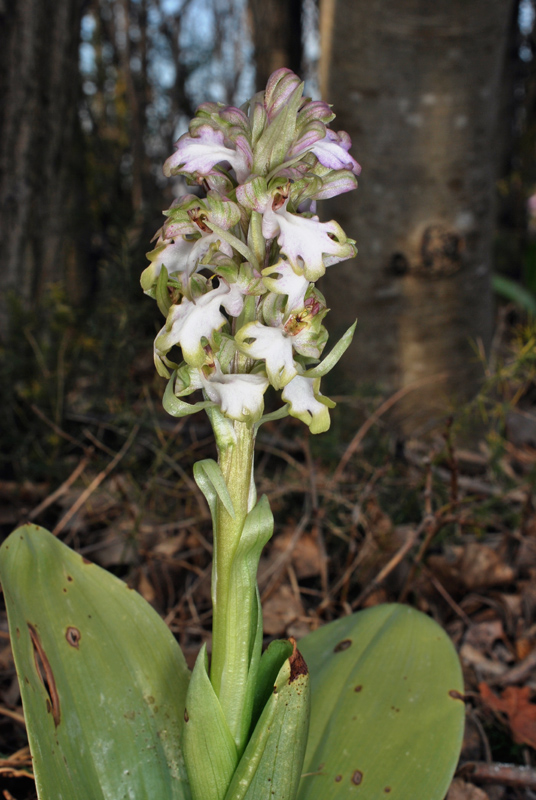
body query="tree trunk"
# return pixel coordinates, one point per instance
(416, 85)
(277, 36)
(39, 88)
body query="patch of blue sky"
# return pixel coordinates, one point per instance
(526, 16)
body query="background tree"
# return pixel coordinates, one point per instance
(417, 89)
(277, 36)
(39, 152)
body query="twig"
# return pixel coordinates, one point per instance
(15, 773)
(96, 482)
(507, 774)
(277, 451)
(520, 671)
(367, 425)
(391, 564)
(274, 570)
(64, 486)
(446, 596)
(6, 712)
(343, 579)
(483, 736)
(21, 758)
(452, 463)
(430, 533)
(42, 416)
(317, 519)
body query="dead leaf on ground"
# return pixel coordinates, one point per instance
(473, 657)
(515, 703)
(471, 567)
(305, 556)
(281, 610)
(483, 635)
(460, 790)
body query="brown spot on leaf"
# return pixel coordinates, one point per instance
(85, 560)
(297, 663)
(45, 674)
(358, 688)
(69, 578)
(387, 789)
(344, 645)
(73, 636)
(456, 695)
(338, 778)
(186, 717)
(357, 777)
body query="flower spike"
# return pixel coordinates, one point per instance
(256, 233)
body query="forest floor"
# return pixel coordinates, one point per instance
(446, 523)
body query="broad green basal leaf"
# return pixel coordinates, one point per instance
(102, 679)
(387, 710)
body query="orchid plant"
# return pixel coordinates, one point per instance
(370, 703)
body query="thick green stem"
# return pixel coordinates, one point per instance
(234, 601)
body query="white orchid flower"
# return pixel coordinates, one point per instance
(240, 397)
(273, 346)
(305, 240)
(189, 322)
(289, 283)
(332, 152)
(200, 154)
(307, 404)
(179, 256)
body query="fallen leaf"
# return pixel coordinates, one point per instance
(473, 657)
(146, 588)
(460, 790)
(305, 556)
(281, 610)
(523, 646)
(515, 703)
(471, 567)
(483, 635)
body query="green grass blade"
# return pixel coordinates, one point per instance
(514, 291)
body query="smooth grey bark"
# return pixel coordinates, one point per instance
(276, 29)
(416, 85)
(38, 116)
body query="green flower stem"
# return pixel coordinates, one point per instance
(234, 603)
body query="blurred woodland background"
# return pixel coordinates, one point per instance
(423, 491)
(440, 106)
